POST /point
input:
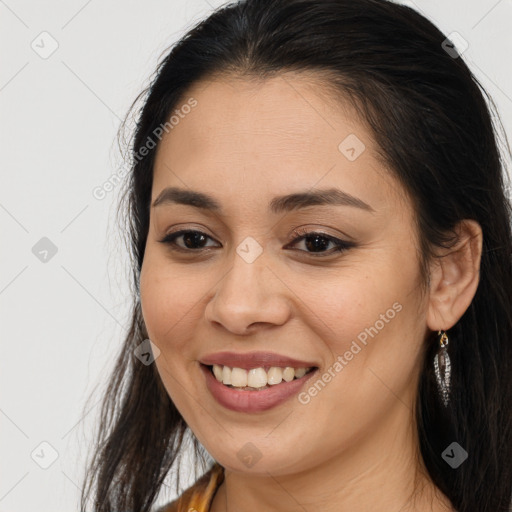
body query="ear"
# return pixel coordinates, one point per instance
(454, 277)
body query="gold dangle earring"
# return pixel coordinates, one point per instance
(442, 367)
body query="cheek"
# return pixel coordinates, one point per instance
(368, 330)
(340, 307)
(369, 315)
(170, 307)
(169, 300)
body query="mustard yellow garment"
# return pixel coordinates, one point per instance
(198, 497)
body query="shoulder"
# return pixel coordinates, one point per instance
(199, 495)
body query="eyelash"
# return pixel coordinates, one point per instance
(301, 234)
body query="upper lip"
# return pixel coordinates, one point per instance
(250, 360)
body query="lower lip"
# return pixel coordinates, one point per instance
(253, 401)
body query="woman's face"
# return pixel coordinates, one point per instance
(245, 283)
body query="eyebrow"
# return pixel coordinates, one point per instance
(289, 202)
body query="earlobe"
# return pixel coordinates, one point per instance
(454, 277)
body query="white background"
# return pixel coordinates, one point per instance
(63, 321)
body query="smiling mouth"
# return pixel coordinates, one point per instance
(257, 379)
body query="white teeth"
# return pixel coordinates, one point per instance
(288, 374)
(226, 375)
(275, 375)
(217, 371)
(256, 377)
(239, 377)
(300, 372)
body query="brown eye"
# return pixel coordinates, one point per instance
(316, 242)
(193, 240)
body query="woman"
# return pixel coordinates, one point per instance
(321, 247)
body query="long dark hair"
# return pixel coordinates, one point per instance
(431, 120)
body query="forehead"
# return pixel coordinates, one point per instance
(278, 134)
(286, 111)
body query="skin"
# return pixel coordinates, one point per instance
(354, 446)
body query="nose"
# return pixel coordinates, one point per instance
(249, 295)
